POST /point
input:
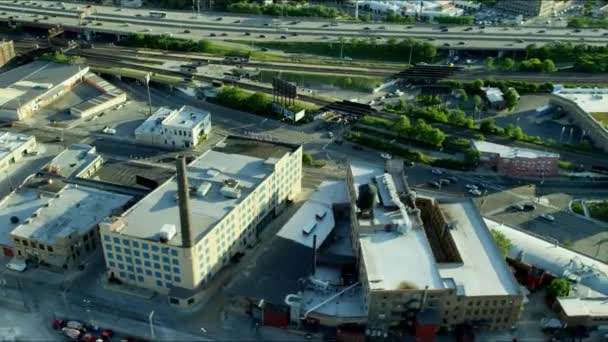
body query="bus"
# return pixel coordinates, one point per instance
(158, 15)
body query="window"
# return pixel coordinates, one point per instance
(117, 249)
(174, 301)
(166, 260)
(140, 279)
(165, 250)
(167, 277)
(149, 273)
(157, 266)
(158, 275)
(175, 262)
(147, 263)
(137, 261)
(116, 240)
(136, 253)
(126, 242)
(166, 268)
(106, 238)
(121, 266)
(176, 270)
(146, 255)
(135, 244)
(159, 284)
(119, 257)
(132, 276)
(177, 279)
(144, 246)
(129, 259)
(129, 268)
(168, 285)
(155, 257)
(139, 270)
(154, 248)
(174, 251)
(127, 251)
(49, 248)
(122, 274)
(112, 264)
(109, 255)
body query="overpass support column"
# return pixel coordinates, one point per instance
(501, 54)
(87, 35)
(452, 53)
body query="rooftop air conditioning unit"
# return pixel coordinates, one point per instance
(167, 232)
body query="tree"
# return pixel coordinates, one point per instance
(476, 101)
(502, 242)
(511, 96)
(490, 63)
(402, 125)
(400, 105)
(479, 136)
(477, 84)
(518, 133)
(507, 64)
(471, 157)
(549, 66)
(487, 126)
(306, 158)
(558, 288)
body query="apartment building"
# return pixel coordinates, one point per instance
(7, 52)
(175, 129)
(423, 261)
(180, 235)
(517, 161)
(533, 8)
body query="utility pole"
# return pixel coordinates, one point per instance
(148, 75)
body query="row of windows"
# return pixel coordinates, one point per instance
(147, 272)
(111, 256)
(140, 279)
(32, 244)
(144, 246)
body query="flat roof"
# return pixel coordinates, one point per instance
(493, 94)
(591, 100)
(399, 261)
(153, 123)
(210, 169)
(73, 160)
(27, 82)
(588, 306)
(21, 203)
(186, 117)
(555, 259)
(483, 270)
(73, 209)
(511, 152)
(315, 214)
(10, 141)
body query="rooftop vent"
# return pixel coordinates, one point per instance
(167, 232)
(231, 188)
(309, 228)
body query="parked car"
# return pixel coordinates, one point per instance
(475, 192)
(436, 172)
(529, 207)
(444, 181)
(435, 184)
(453, 179)
(517, 207)
(548, 217)
(471, 187)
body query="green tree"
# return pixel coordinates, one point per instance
(511, 97)
(476, 102)
(307, 158)
(490, 63)
(400, 105)
(518, 133)
(502, 242)
(507, 64)
(471, 157)
(549, 66)
(478, 84)
(558, 288)
(488, 126)
(479, 136)
(402, 125)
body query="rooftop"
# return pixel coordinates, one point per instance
(73, 210)
(186, 117)
(73, 160)
(587, 306)
(483, 270)
(591, 100)
(10, 141)
(399, 261)
(207, 174)
(315, 216)
(21, 204)
(27, 82)
(511, 152)
(153, 123)
(493, 94)
(555, 259)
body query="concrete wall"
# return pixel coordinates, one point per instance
(594, 129)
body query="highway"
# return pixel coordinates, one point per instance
(257, 28)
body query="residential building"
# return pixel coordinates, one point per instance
(543, 258)
(176, 129)
(14, 146)
(27, 88)
(533, 8)
(78, 160)
(7, 52)
(517, 161)
(63, 230)
(494, 97)
(110, 96)
(181, 234)
(450, 270)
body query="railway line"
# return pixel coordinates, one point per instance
(116, 21)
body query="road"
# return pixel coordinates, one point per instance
(122, 21)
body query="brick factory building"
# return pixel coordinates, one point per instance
(516, 161)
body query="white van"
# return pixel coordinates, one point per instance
(17, 264)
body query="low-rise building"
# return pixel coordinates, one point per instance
(78, 160)
(175, 129)
(449, 270)
(13, 147)
(185, 231)
(26, 89)
(110, 96)
(517, 161)
(7, 52)
(533, 8)
(63, 230)
(494, 97)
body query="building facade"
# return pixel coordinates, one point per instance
(7, 52)
(13, 147)
(175, 129)
(533, 8)
(232, 196)
(515, 161)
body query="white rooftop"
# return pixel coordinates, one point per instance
(74, 209)
(211, 169)
(315, 215)
(393, 261)
(511, 152)
(493, 94)
(187, 117)
(10, 141)
(591, 100)
(555, 259)
(73, 160)
(21, 204)
(153, 124)
(587, 306)
(483, 270)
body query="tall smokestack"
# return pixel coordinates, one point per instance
(183, 201)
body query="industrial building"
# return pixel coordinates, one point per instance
(55, 226)
(13, 147)
(7, 52)
(533, 8)
(517, 161)
(494, 98)
(110, 96)
(26, 89)
(543, 259)
(182, 233)
(450, 271)
(175, 129)
(78, 161)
